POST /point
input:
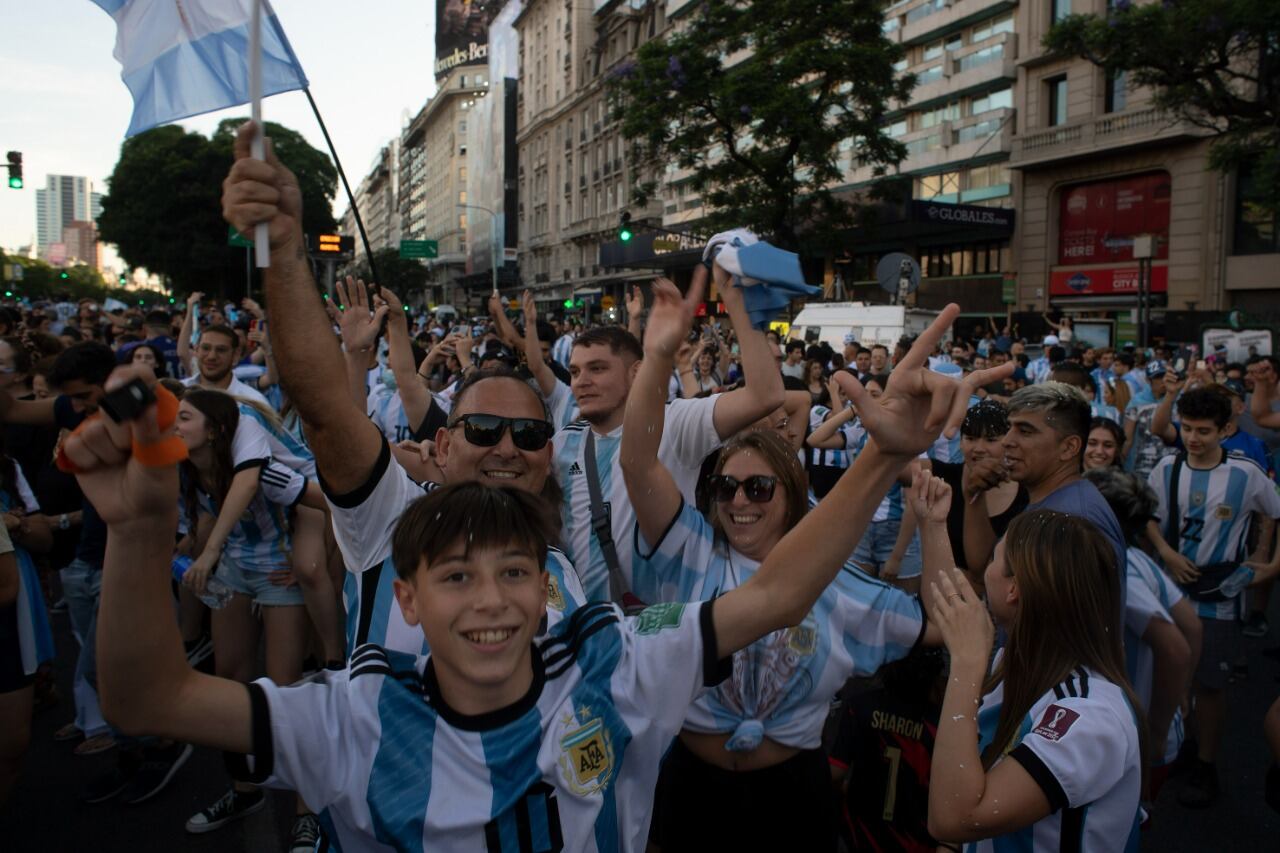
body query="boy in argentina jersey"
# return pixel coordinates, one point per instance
(1217, 494)
(603, 366)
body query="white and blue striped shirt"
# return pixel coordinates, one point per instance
(688, 437)
(562, 349)
(388, 765)
(1080, 744)
(782, 684)
(1215, 505)
(363, 524)
(1150, 595)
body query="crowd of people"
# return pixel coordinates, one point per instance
(514, 584)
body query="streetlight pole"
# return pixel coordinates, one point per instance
(493, 240)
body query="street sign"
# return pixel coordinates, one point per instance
(333, 244)
(234, 238)
(410, 249)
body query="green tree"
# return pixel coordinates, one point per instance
(1214, 63)
(163, 209)
(761, 135)
(405, 277)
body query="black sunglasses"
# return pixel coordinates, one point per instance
(758, 488)
(487, 430)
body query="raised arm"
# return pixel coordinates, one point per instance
(1162, 418)
(828, 436)
(1264, 384)
(502, 323)
(184, 336)
(345, 443)
(145, 682)
(414, 396)
(542, 374)
(635, 309)
(654, 494)
(762, 392)
(902, 425)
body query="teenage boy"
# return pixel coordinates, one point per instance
(492, 741)
(1208, 497)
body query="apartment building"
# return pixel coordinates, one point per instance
(573, 178)
(376, 198)
(433, 176)
(64, 199)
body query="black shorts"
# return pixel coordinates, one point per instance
(12, 677)
(701, 807)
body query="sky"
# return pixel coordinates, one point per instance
(64, 106)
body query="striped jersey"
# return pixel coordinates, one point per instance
(562, 405)
(1038, 370)
(388, 765)
(254, 446)
(35, 634)
(236, 388)
(259, 542)
(1215, 506)
(1150, 595)
(386, 410)
(286, 448)
(1080, 745)
(783, 683)
(562, 349)
(363, 524)
(688, 436)
(824, 467)
(893, 504)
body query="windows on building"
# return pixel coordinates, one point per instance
(1115, 93)
(1059, 9)
(1056, 100)
(980, 57)
(999, 99)
(1257, 229)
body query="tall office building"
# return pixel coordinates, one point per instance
(65, 199)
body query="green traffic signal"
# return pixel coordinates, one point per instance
(171, 300)
(8, 294)
(15, 182)
(64, 275)
(624, 227)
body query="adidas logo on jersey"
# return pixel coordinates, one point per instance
(575, 470)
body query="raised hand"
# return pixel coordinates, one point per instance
(253, 307)
(671, 314)
(962, 617)
(930, 498)
(194, 299)
(262, 191)
(122, 490)
(919, 404)
(530, 311)
(394, 307)
(837, 395)
(358, 324)
(634, 301)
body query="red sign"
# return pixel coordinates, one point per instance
(1097, 222)
(1106, 281)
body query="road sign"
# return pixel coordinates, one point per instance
(234, 238)
(419, 249)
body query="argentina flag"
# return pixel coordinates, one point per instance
(186, 57)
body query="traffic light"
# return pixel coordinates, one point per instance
(8, 294)
(172, 300)
(64, 275)
(624, 227)
(15, 170)
(124, 279)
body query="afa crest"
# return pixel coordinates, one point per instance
(555, 597)
(803, 638)
(586, 756)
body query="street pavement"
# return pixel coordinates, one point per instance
(44, 814)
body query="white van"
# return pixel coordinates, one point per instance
(870, 324)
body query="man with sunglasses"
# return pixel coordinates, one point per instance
(497, 433)
(603, 366)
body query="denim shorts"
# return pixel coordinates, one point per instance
(877, 544)
(257, 585)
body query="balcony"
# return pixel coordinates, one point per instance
(951, 143)
(950, 17)
(1090, 136)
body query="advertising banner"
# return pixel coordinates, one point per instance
(1107, 281)
(1097, 221)
(462, 32)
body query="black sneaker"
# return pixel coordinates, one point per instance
(305, 834)
(1201, 790)
(157, 768)
(109, 784)
(1256, 625)
(232, 806)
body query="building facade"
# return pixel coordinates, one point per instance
(65, 199)
(573, 176)
(377, 200)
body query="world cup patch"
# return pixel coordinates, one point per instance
(1055, 723)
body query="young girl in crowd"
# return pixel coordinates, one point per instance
(1105, 442)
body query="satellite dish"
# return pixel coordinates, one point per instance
(898, 274)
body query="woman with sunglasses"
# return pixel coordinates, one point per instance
(753, 743)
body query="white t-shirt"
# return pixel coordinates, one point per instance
(236, 389)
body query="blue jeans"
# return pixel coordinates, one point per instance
(81, 587)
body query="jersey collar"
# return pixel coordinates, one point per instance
(490, 719)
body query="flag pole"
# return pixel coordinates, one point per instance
(351, 199)
(261, 244)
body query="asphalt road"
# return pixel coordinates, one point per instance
(44, 814)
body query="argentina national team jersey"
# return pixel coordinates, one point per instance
(688, 437)
(893, 503)
(1150, 595)
(286, 448)
(1215, 507)
(259, 541)
(782, 684)
(571, 766)
(363, 524)
(386, 410)
(1080, 745)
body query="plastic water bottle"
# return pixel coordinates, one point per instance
(216, 593)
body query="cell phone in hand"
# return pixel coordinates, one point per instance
(1202, 365)
(127, 402)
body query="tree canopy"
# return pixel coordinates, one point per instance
(1215, 63)
(403, 276)
(163, 207)
(755, 101)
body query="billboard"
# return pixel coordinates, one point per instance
(1097, 221)
(462, 32)
(1106, 281)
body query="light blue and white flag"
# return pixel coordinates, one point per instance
(186, 57)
